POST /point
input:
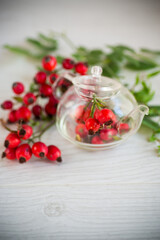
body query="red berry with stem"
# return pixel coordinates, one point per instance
(18, 88)
(25, 132)
(29, 98)
(40, 77)
(79, 112)
(92, 125)
(7, 105)
(9, 153)
(45, 90)
(23, 153)
(68, 63)
(96, 140)
(81, 130)
(37, 110)
(123, 127)
(12, 116)
(49, 63)
(23, 113)
(53, 100)
(86, 114)
(53, 77)
(96, 113)
(50, 109)
(12, 140)
(105, 116)
(108, 134)
(54, 153)
(39, 149)
(81, 68)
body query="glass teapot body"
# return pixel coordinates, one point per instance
(98, 112)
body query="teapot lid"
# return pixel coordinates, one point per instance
(103, 87)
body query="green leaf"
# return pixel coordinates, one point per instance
(149, 75)
(18, 50)
(146, 50)
(154, 111)
(41, 46)
(18, 99)
(33, 87)
(139, 64)
(148, 122)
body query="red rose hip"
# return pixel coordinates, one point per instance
(7, 105)
(40, 77)
(108, 134)
(39, 149)
(105, 116)
(45, 90)
(49, 63)
(23, 153)
(81, 68)
(53, 77)
(12, 116)
(9, 153)
(81, 130)
(12, 140)
(29, 98)
(18, 88)
(25, 132)
(54, 153)
(68, 63)
(37, 110)
(23, 113)
(96, 140)
(92, 125)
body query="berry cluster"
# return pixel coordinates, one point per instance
(17, 149)
(26, 109)
(96, 124)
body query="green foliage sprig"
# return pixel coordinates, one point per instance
(113, 60)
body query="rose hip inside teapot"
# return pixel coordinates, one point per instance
(98, 112)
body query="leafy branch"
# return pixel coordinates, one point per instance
(113, 60)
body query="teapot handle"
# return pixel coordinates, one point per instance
(133, 119)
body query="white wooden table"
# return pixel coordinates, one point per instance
(107, 195)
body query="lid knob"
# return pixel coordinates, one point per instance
(96, 71)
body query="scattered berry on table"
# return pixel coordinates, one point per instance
(12, 140)
(49, 63)
(23, 113)
(7, 105)
(53, 77)
(37, 110)
(25, 132)
(45, 90)
(68, 63)
(29, 98)
(50, 109)
(23, 153)
(12, 117)
(40, 77)
(81, 68)
(39, 149)
(9, 153)
(18, 88)
(54, 153)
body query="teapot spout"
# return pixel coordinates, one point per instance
(133, 120)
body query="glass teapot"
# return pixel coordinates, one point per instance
(98, 112)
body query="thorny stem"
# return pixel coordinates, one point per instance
(43, 131)
(5, 126)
